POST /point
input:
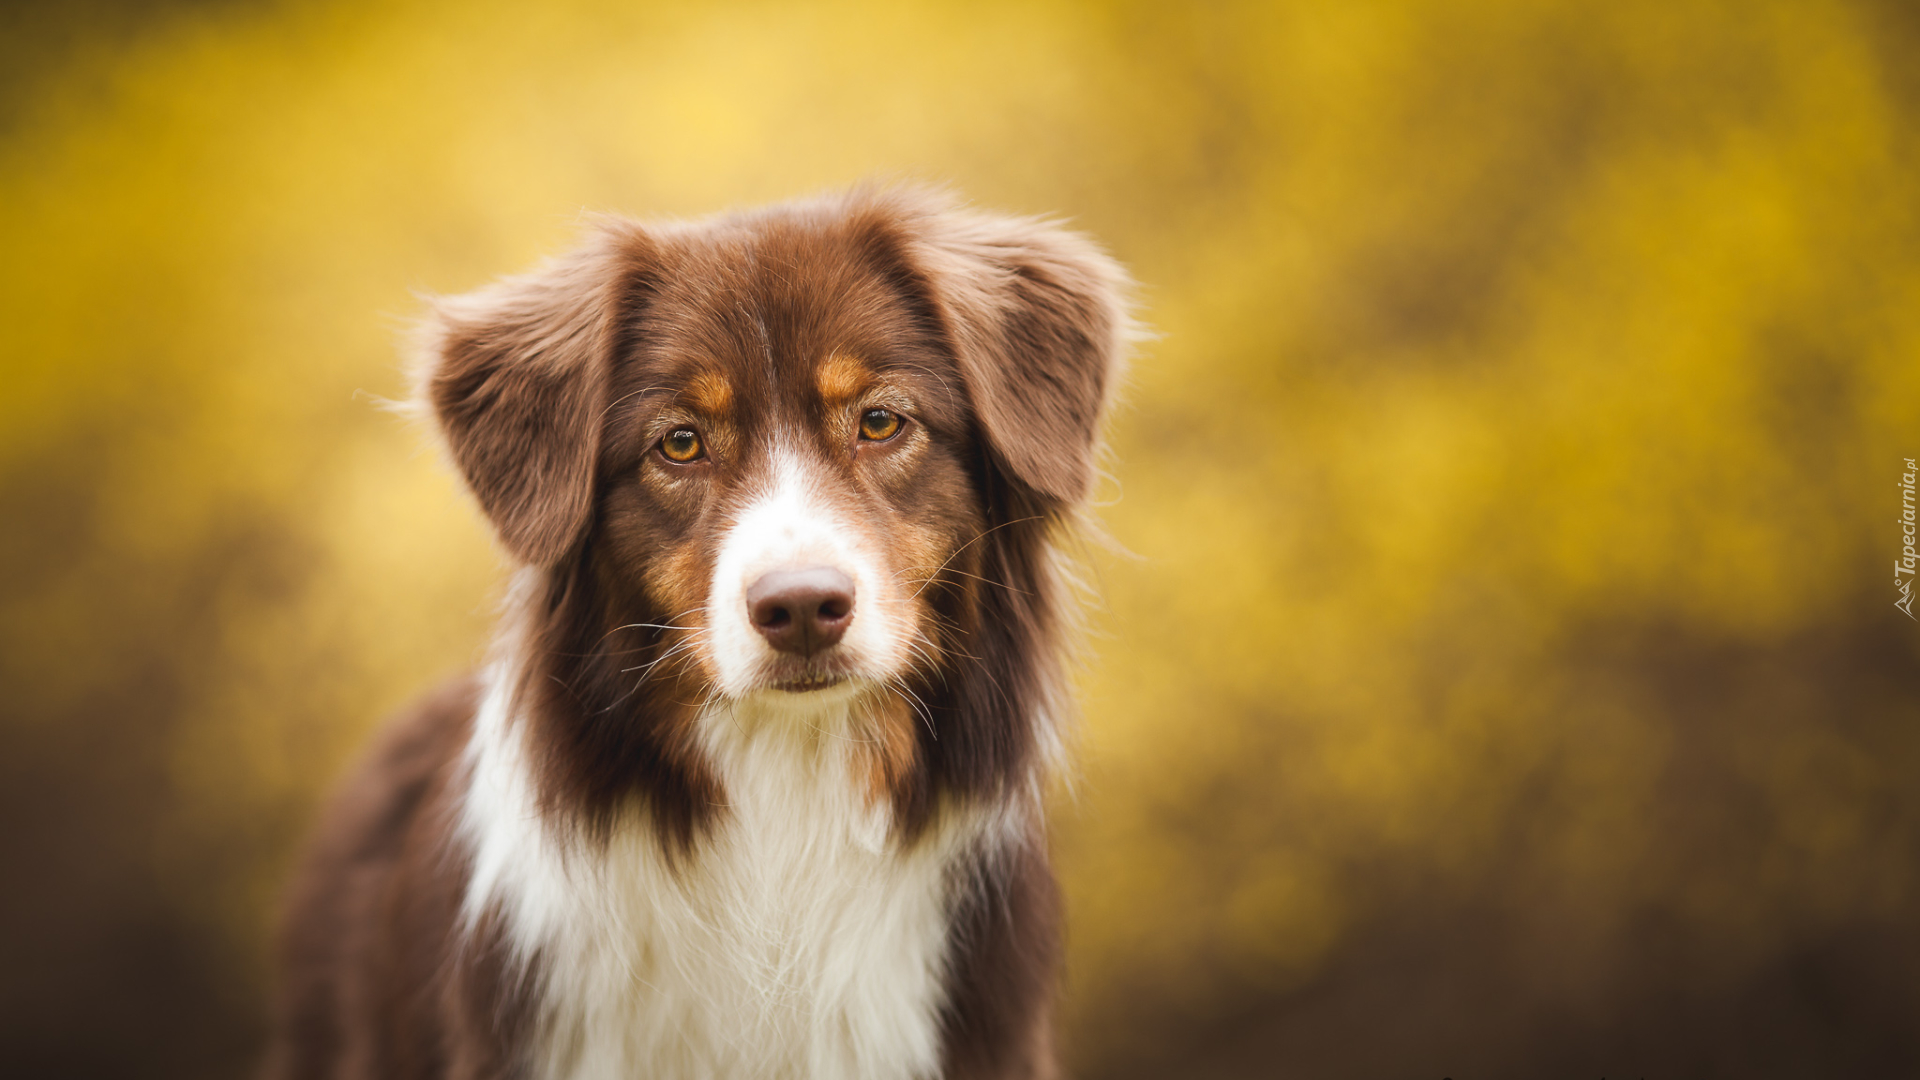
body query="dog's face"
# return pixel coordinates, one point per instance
(805, 459)
(787, 467)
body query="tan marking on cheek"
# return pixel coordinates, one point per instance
(710, 394)
(921, 553)
(677, 581)
(841, 379)
(678, 584)
(681, 742)
(922, 544)
(890, 749)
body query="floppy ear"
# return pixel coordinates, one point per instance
(516, 374)
(1037, 320)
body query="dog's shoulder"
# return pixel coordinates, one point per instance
(380, 801)
(369, 926)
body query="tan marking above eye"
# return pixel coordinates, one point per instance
(682, 446)
(710, 394)
(879, 425)
(841, 377)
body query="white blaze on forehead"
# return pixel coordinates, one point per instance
(790, 523)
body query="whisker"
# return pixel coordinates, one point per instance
(677, 650)
(970, 543)
(919, 706)
(949, 570)
(680, 651)
(924, 650)
(955, 628)
(675, 618)
(623, 397)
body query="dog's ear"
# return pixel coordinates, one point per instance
(517, 374)
(1037, 319)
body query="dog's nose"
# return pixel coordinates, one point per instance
(801, 611)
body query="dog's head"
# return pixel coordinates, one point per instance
(807, 459)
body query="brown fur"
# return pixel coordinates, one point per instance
(553, 390)
(378, 983)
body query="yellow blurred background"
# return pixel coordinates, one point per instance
(1501, 676)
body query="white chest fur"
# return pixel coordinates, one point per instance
(797, 941)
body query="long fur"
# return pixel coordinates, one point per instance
(647, 841)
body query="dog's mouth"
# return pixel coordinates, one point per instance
(810, 682)
(812, 675)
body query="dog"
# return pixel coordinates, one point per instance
(751, 785)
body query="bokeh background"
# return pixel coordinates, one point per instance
(1498, 673)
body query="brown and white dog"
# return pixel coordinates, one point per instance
(752, 786)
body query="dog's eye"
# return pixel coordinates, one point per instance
(879, 425)
(682, 445)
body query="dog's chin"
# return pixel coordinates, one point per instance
(810, 687)
(822, 673)
(811, 683)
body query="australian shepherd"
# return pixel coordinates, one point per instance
(751, 786)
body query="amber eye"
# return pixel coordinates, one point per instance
(682, 445)
(879, 425)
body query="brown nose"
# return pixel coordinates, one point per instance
(801, 611)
